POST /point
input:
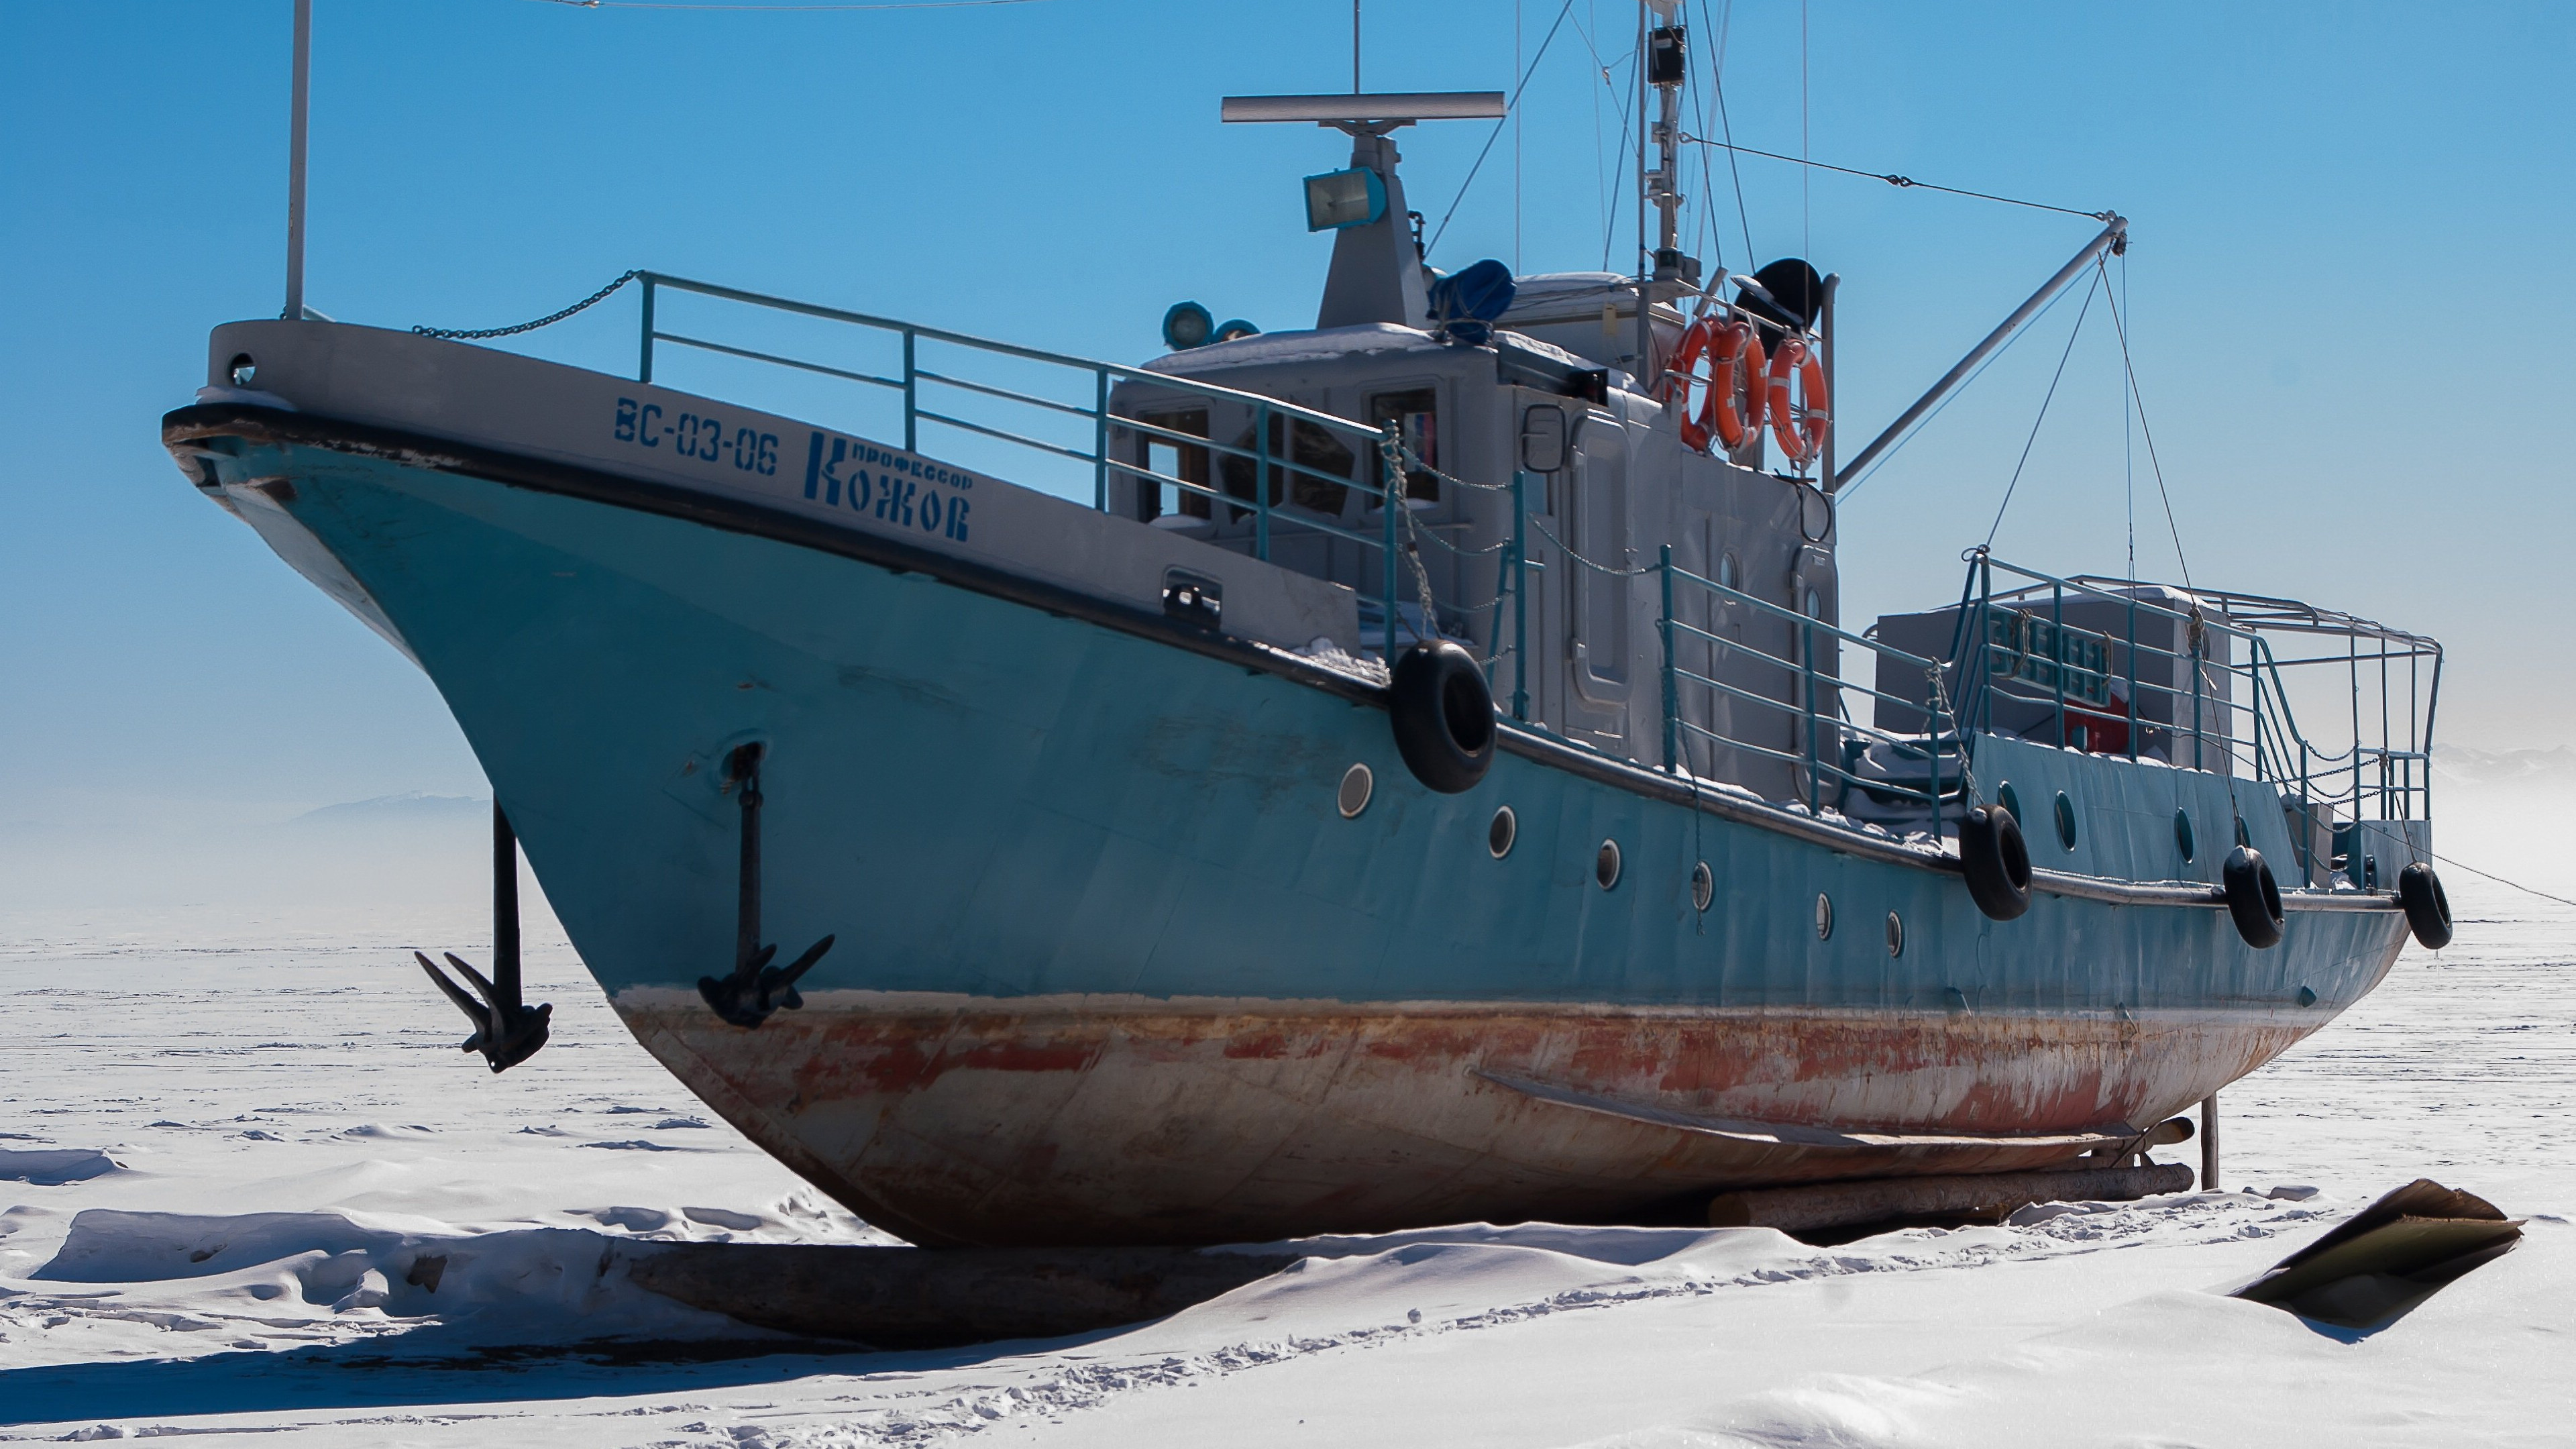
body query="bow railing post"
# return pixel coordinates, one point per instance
(644, 348)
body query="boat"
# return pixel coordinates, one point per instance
(1407, 770)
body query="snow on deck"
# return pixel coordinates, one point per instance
(222, 1165)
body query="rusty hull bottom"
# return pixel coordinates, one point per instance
(955, 1120)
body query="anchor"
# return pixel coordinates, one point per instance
(755, 988)
(506, 1030)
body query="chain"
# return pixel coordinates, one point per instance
(1404, 459)
(593, 300)
(1600, 568)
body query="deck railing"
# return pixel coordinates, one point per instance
(2249, 726)
(2010, 644)
(1813, 699)
(935, 394)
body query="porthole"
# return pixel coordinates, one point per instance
(2010, 799)
(2182, 835)
(1605, 865)
(243, 370)
(2065, 821)
(1357, 783)
(1499, 835)
(1895, 934)
(1726, 572)
(1703, 885)
(1824, 916)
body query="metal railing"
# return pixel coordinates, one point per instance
(2233, 711)
(1813, 701)
(927, 392)
(2221, 693)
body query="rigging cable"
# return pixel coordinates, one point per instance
(1846, 491)
(1893, 179)
(1727, 127)
(1706, 229)
(1504, 120)
(1610, 224)
(2500, 880)
(2050, 396)
(2129, 367)
(2128, 448)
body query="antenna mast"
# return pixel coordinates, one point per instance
(302, 87)
(1662, 63)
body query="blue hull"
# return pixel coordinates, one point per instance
(1081, 849)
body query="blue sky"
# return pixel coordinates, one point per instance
(2349, 304)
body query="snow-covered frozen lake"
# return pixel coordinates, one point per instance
(226, 1159)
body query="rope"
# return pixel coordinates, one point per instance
(586, 303)
(2051, 396)
(2500, 880)
(1893, 179)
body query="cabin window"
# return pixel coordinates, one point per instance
(1311, 450)
(1169, 458)
(1415, 414)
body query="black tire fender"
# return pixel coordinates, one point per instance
(1996, 861)
(1443, 713)
(2253, 897)
(2427, 905)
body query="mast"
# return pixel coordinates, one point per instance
(1662, 64)
(297, 106)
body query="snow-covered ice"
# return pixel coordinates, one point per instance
(250, 1185)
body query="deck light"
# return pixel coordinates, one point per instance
(1338, 199)
(1186, 326)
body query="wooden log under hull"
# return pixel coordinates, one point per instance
(1986, 1195)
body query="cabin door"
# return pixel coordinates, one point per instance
(1598, 593)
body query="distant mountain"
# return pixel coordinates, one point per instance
(393, 809)
(2459, 765)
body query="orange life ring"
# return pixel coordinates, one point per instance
(1734, 406)
(1678, 379)
(1801, 430)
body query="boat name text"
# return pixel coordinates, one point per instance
(904, 490)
